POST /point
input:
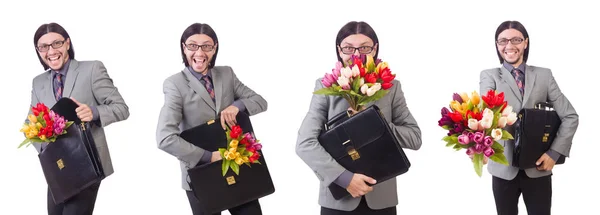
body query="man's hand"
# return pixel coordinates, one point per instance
(356, 111)
(228, 116)
(84, 112)
(545, 163)
(358, 185)
(216, 156)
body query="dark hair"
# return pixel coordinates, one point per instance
(355, 27)
(52, 28)
(517, 26)
(199, 28)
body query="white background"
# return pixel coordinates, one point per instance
(279, 49)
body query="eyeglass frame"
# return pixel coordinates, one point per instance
(55, 45)
(200, 47)
(357, 48)
(511, 40)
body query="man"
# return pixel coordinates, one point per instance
(524, 86)
(88, 84)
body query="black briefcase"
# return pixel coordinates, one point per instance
(214, 191)
(363, 143)
(535, 132)
(71, 163)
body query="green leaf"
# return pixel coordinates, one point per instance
(25, 142)
(258, 162)
(356, 84)
(446, 127)
(506, 135)
(478, 163)
(378, 95)
(499, 158)
(235, 167)
(450, 144)
(225, 166)
(497, 147)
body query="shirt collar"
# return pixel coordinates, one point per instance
(63, 70)
(198, 75)
(510, 67)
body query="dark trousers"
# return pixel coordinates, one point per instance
(362, 209)
(250, 208)
(81, 204)
(537, 194)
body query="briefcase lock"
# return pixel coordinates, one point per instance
(230, 180)
(353, 154)
(60, 164)
(210, 122)
(545, 137)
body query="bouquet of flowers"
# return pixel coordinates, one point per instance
(360, 82)
(44, 126)
(242, 149)
(477, 125)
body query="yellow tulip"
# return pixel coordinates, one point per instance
(246, 160)
(458, 107)
(38, 125)
(233, 143)
(475, 98)
(25, 128)
(233, 150)
(43, 137)
(32, 118)
(455, 105)
(229, 155)
(239, 161)
(370, 61)
(381, 66)
(464, 96)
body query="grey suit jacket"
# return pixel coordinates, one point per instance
(540, 86)
(88, 83)
(187, 104)
(323, 108)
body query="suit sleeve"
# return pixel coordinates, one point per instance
(307, 145)
(111, 106)
(486, 82)
(253, 102)
(167, 132)
(568, 116)
(404, 125)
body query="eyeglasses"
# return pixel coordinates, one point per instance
(514, 41)
(195, 47)
(55, 45)
(361, 50)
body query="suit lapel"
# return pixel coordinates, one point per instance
(529, 82)
(195, 85)
(47, 91)
(72, 74)
(510, 80)
(218, 87)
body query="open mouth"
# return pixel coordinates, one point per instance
(511, 53)
(53, 59)
(199, 60)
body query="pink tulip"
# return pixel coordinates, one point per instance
(488, 152)
(464, 139)
(487, 141)
(336, 71)
(328, 80)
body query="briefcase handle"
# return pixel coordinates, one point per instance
(544, 106)
(341, 116)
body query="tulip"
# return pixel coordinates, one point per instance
(355, 71)
(32, 118)
(346, 72)
(473, 124)
(487, 113)
(502, 122)
(497, 134)
(373, 89)
(239, 161)
(511, 118)
(344, 82)
(456, 97)
(337, 70)
(475, 98)
(328, 80)
(486, 123)
(507, 110)
(478, 137)
(488, 152)
(464, 97)
(471, 151)
(464, 139)
(233, 143)
(364, 89)
(479, 147)
(487, 141)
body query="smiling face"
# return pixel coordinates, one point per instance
(356, 44)
(53, 49)
(199, 50)
(511, 45)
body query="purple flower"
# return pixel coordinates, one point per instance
(464, 138)
(337, 70)
(59, 123)
(488, 141)
(471, 151)
(257, 146)
(478, 137)
(479, 148)
(457, 98)
(488, 152)
(328, 80)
